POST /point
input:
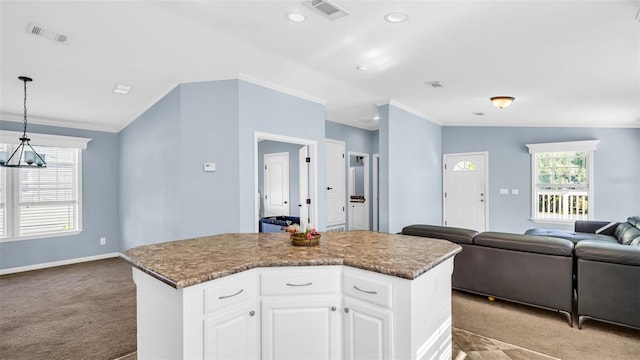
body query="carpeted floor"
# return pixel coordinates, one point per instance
(80, 311)
(543, 331)
(87, 311)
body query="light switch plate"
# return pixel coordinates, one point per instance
(209, 166)
(514, 191)
(504, 191)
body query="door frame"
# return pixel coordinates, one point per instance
(313, 172)
(485, 155)
(365, 160)
(374, 175)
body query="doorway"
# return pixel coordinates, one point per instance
(358, 191)
(302, 193)
(465, 192)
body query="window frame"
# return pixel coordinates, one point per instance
(11, 183)
(587, 146)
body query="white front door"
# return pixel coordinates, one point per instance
(303, 167)
(335, 181)
(465, 191)
(276, 184)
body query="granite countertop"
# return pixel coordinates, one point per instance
(189, 262)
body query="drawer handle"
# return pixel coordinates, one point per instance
(307, 284)
(365, 291)
(228, 296)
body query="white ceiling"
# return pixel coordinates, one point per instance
(567, 63)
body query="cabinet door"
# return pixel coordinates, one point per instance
(232, 333)
(367, 331)
(358, 217)
(306, 327)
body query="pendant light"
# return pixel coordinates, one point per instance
(24, 155)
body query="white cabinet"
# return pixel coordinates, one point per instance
(232, 333)
(358, 216)
(302, 328)
(300, 313)
(367, 331)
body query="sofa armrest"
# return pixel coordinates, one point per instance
(526, 243)
(595, 227)
(608, 252)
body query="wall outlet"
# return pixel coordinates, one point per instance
(103, 241)
(514, 191)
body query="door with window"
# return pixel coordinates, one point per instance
(465, 191)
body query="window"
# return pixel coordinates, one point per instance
(44, 202)
(562, 180)
(464, 166)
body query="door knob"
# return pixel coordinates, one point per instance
(329, 188)
(286, 202)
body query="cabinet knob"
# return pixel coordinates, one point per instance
(346, 310)
(333, 308)
(252, 313)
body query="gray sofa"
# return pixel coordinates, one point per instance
(599, 260)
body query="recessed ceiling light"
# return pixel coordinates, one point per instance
(296, 17)
(396, 17)
(122, 89)
(377, 117)
(362, 67)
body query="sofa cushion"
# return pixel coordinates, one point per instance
(571, 235)
(610, 253)
(453, 234)
(527, 243)
(635, 221)
(626, 233)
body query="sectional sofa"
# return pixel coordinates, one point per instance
(599, 262)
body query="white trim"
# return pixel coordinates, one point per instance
(57, 263)
(375, 175)
(59, 123)
(13, 137)
(42, 236)
(344, 185)
(485, 155)
(313, 175)
(542, 125)
(406, 108)
(584, 145)
(278, 88)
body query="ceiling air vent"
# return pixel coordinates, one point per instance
(38, 30)
(327, 9)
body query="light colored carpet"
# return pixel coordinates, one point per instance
(543, 331)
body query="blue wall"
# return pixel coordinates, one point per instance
(271, 147)
(269, 111)
(410, 170)
(616, 170)
(356, 140)
(99, 204)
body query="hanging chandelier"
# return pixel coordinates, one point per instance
(24, 156)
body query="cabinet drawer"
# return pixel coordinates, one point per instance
(229, 291)
(370, 290)
(299, 282)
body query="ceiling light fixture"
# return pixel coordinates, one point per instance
(502, 101)
(296, 17)
(31, 158)
(122, 89)
(396, 17)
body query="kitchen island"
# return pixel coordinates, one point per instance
(359, 294)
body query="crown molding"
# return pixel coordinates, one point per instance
(406, 108)
(58, 123)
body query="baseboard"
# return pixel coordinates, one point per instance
(57, 263)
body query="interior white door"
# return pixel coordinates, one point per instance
(303, 187)
(276, 184)
(465, 192)
(335, 182)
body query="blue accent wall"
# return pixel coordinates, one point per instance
(616, 170)
(99, 204)
(410, 170)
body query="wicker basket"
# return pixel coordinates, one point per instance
(301, 240)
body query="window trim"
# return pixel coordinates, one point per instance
(12, 137)
(588, 146)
